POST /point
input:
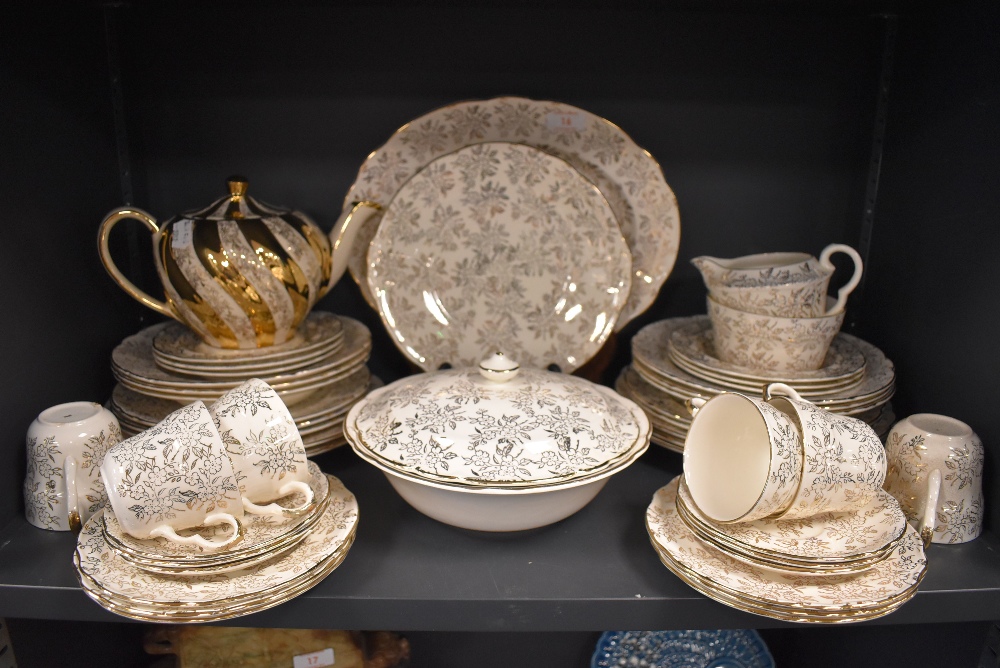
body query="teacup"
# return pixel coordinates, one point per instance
(174, 476)
(742, 458)
(264, 444)
(771, 343)
(844, 462)
(936, 474)
(788, 285)
(66, 446)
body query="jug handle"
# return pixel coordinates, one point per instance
(109, 222)
(929, 518)
(844, 292)
(342, 238)
(72, 505)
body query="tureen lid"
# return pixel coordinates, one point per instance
(497, 426)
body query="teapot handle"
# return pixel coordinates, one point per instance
(128, 286)
(844, 292)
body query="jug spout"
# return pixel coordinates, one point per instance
(711, 269)
(343, 235)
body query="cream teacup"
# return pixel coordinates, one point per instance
(66, 446)
(173, 476)
(936, 474)
(771, 343)
(265, 446)
(742, 458)
(844, 462)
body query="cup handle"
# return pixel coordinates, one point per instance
(72, 507)
(844, 292)
(205, 544)
(128, 286)
(695, 404)
(781, 390)
(280, 511)
(929, 518)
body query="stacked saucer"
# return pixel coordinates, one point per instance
(830, 568)
(278, 559)
(319, 375)
(674, 360)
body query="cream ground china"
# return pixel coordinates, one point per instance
(499, 247)
(885, 583)
(651, 359)
(827, 537)
(262, 532)
(118, 578)
(134, 367)
(457, 428)
(628, 176)
(766, 342)
(694, 343)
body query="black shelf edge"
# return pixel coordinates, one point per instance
(590, 572)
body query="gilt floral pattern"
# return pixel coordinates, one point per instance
(111, 573)
(890, 580)
(499, 247)
(627, 176)
(43, 484)
(869, 528)
(457, 427)
(763, 342)
(913, 455)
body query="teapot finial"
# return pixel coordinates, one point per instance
(237, 189)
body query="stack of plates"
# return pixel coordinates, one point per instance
(674, 360)
(155, 580)
(319, 374)
(831, 568)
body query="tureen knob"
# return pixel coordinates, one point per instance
(499, 368)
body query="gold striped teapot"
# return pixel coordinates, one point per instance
(240, 273)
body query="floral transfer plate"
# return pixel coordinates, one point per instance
(118, 578)
(499, 247)
(825, 537)
(873, 591)
(682, 649)
(628, 176)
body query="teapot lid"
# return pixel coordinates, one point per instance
(497, 426)
(237, 206)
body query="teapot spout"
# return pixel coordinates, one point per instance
(342, 237)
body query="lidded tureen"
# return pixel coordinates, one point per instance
(497, 447)
(240, 273)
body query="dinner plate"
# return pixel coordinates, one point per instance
(627, 175)
(854, 596)
(499, 247)
(319, 332)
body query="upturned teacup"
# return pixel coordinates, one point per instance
(936, 474)
(788, 285)
(771, 343)
(742, 458)
(844, 462)
(66, 446)
(264, 444)
(174, 476)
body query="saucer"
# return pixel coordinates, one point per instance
(499, 247)
(690, 649)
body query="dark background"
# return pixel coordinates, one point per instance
(762, 115)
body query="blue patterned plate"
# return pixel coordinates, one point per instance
(691, 649)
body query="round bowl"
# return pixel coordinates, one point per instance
(772, 343)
